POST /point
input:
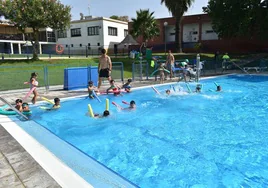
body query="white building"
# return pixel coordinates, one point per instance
(92, 34)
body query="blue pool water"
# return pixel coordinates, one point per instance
(212, 139)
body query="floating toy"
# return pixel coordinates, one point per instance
(90, 111)
(156, 90)
(188, 87)
(94, 94)
(216, 84)
(49, 101)
(3, 111)
(118, 106)
(29, 93)
(107, 104)
(159, 70)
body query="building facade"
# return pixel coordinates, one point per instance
(13, 41)
(92, 34)
(197, 29)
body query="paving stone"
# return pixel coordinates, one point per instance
(9, 181)
(6, 170)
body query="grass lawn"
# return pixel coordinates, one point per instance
(14, 72)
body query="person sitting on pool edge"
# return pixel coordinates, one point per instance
(106, 113)
(90, 89)
(25, 107)
(57, 103)
(127, 85)
(114, 87)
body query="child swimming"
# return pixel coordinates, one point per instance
(106, 113)
(57, 103)
(168, 92)
(18, 105)
(198, 88)
(218, 88)
(25, 107)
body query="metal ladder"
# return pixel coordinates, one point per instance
(14, 109)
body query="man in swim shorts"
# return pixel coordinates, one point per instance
(104, 67)
(170, 63)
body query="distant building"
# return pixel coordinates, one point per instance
(92, 34)
(198, 29)
(13, 41)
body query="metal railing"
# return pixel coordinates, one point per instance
(14, 109)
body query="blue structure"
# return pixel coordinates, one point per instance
(78, 77)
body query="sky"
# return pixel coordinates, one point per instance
(107, 8)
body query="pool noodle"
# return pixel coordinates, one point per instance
(45, 99)
(90, 111)
(155, 90)
(29, 93)
(107, 104)
(189, 89)
(125, 102)
(118, 106)
(216, 83)
(172, 86)
(96, 96)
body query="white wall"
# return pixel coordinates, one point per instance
(190, 32)
(103, 38)
(111, 40)
(170, 33)
(208, 33)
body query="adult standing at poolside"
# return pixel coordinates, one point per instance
(170, 63)
(104, 67)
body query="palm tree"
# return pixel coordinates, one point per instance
(144, 25)
(177, 9)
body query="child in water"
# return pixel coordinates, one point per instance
(25, 107)
(198, 88)
(218, 88)
(34, 83)
(127, 85)
(18, 105)
(106, 113)
(168, 92)
(113, 88)
(90, 89)
(57, 103)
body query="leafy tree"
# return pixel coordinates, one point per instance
(36, 14)
(238, 18)
(144, 25)
(121, 18)
(177, 9)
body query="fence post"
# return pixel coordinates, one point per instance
(140, 70)
(86, 52)
(133, 70)
(147, 71)
(69, 51)
(122, 72)
(46, 78)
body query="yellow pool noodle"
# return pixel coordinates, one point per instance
(45, 99)
(107, 104)
(90, 111)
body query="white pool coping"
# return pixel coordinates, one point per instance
(44, 157)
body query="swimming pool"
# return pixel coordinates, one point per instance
(205, 140)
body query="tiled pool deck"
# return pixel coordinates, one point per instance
(17, 167)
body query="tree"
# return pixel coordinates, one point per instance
(144, 25)
(245, 18)
(177, 9)
(36, 14)
(121, 18)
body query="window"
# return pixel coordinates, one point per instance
(62, 34)
(125, 32)
(209, 31)
(76, 32)
(93, 30)
(51, 36)
(112, 31)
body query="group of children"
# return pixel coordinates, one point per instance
(197, 89)
(114, 88)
